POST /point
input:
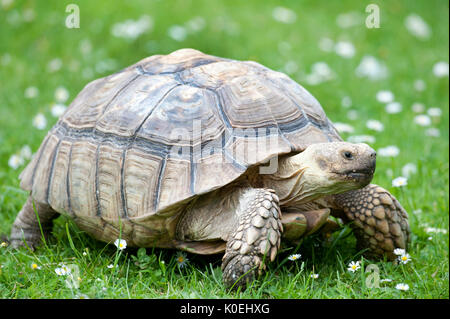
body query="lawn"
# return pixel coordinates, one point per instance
(385, 86)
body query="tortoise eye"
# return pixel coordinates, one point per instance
(348, 155)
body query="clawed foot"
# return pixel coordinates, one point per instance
(255, 241)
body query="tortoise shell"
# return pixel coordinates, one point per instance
(167, 129)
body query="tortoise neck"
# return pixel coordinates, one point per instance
(290, 181)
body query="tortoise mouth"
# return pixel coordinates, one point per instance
(360, 176)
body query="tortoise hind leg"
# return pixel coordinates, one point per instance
(26, 226)
(256, 238)
(379, 221)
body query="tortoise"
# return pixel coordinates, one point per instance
(208, 155)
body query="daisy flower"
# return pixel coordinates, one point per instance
(58, 109)
(386, 280)
(39, 121)
(35, 266)
(284, 15)
(404, 258)
(62, 271)
(353, 266)
(294, 257)
(375, 125)
(403, 287)
(314, 276)
(110, 266)
(31, 92)
(399, 251)
(121, 244)
(15, 161)
(393, 108)
(388, 151)
(422, 120)
(181, 259)
(399, 181)
(385, 96)
(420, 85)
(433, 132)
(440, 69)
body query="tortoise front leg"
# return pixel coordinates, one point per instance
(26, 226)
(379, 221)
(255, 240)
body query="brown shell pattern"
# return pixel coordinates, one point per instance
(166, 129)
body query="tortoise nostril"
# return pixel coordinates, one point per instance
(348, 155)
(373, 154)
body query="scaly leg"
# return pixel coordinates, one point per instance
(26, 226)
(379, 221)
(256, 239)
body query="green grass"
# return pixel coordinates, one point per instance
(237, 30)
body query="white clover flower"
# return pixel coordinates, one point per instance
(61, 94)
(399, 181)
(372, 69)
(353, 266)
(418, 107)
(433, 132)
(343, 127)
(284, 15)
(393, 108)
(345, 49)
(375, 125)
(58, 109)
(422, 120)
(385, 96)
(39, 121)
(369, 139)
(326, 44)
(440, 69)
(434, 112)
(177, 32)
(388, 151)
(404, 258)
(120, 244)
(294, 257)
(15, 161)
(403, 287)
(420, 85)
(399, 251)
(409, 169)
(3, 244)
(31, 92)
(417, 26)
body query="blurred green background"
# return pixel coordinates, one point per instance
(323, 45)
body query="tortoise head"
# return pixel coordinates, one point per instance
(339, 165)
(322, 169)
